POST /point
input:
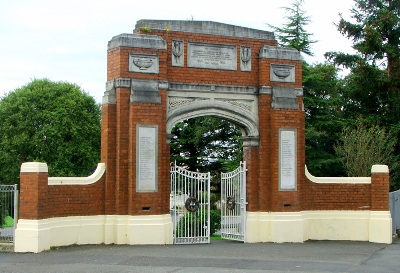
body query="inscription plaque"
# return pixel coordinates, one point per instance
(287, 159)
(146, 158)
(212, 56)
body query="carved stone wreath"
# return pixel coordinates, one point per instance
(230, 203)
(192, 204)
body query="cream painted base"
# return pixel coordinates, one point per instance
(39, 235)
(279, 227)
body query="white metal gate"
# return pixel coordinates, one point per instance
(190, 206)
(233, 204)
(8, 212)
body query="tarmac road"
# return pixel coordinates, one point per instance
(219, 256)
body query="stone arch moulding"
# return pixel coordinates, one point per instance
(238, 105)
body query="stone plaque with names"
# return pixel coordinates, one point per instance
(212, 56)
(146, 153)
(287, 159)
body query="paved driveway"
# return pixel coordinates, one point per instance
(219, 256)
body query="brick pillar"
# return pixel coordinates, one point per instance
(380, 222)
(33, 190)
(250, 155)
(380, 188)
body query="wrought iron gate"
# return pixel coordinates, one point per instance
(8, 212)
(233, 204)
(190, 206)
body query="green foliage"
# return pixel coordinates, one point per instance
(207, 144)
(293, 33)
(375, 31)
(52, 122)
(362, 145)
(324, 118)
(191, 223)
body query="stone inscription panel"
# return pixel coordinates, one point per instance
(146, 158)
(212, 56)
(287, 159)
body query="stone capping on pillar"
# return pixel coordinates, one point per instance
(337, 180)
(34, 167)
(282, 53)
(380, 169)
(97, 174)
(137, 41)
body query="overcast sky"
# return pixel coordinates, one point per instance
(66, 40)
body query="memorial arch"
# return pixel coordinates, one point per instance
(167, 71)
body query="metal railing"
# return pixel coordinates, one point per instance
(8, 212)
(394, 204)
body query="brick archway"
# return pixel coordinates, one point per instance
(185, 69)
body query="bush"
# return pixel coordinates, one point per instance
(192, 223)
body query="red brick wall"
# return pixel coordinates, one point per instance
(374, 196)
(38, 200)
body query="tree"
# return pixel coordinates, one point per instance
(376, 37)
(207, 144)
(52, 122)
(293, 33)
(324, 118)
(362, 145)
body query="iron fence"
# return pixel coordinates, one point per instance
(8, 212)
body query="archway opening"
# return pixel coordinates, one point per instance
(208, 144)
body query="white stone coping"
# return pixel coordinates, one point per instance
(34, 167)
(98, 173)
(380, 169)
(337, 180)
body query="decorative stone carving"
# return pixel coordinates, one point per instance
(243, 104)
(282, 73)
(174, 102)
(177, 53)
(143, 63)
(245, 58)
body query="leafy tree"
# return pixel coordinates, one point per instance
(293, 33)
(361, 145)
(324, 118)
(207, 144)
(52, 122)
(375, 32)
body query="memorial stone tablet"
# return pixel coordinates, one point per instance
(146, 146)
(212, 56)
(287, 159)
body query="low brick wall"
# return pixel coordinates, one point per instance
(39, 200)
(348, 193)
